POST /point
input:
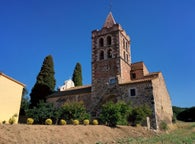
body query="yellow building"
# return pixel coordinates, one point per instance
(10, 97)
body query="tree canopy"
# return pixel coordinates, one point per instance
(77, 75)
(45, 83)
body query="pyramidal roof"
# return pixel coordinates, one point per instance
(109, 21)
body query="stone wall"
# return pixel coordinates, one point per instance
(144, 96)
(163, 106)
(60, 100)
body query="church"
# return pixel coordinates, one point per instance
(116, 78)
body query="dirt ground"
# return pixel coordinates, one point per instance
(68, 134)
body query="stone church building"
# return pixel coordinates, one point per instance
(115, 77)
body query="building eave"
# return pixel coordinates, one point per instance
(12, 79)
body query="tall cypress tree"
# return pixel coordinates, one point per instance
(45, 83)
(77, 75)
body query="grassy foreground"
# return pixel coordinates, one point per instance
(184, 133)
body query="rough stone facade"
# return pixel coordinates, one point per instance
(115, 77)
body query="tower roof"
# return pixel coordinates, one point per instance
(109, 21)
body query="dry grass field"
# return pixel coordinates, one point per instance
(80, 134)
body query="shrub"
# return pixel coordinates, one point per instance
(4, 122)
(86, 122)
(75, 122)
(41, 112)
(48, 121)
(62, 122)
(139, 114)
(110, 114)
(174, 119)
(163, 126)
(12, 120)
(30, 121)
(74, 110)
(95, 122)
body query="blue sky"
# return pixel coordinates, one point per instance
(162, 35)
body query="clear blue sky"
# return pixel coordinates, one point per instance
(162, 35)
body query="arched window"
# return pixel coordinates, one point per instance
(109, 40)
(101, 55)
(109, 53)
(101, 42)
(124, 43)
(124, 55)
(126, 46)
(127, 57)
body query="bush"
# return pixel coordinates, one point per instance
(62, 122)
(4, 122)
(75, 122)
(110, 114)
(95, 122)
(139, 114)
(86, 122)
(163, 126)
(12, 120)
(48, 121)
(174, 119)
(41, 112)
(74, 110)
(30, 121)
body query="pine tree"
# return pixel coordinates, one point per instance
(77, 75)
(45, 83)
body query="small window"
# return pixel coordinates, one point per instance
(101, 42)
(132, 92)
(109, 41)
(112, 80)
(133, 75)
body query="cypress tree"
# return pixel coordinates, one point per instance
(45, 83)
(77, 75)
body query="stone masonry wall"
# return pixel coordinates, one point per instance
(144, 95)
(59, 101)
(163, 106)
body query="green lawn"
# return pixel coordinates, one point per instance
(185, 134)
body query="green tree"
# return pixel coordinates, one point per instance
(45, 83)
(77, 75)
(24, 102)
(187, 115)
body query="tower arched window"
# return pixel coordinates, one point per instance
(109, 40)
(101, 42)
(101, 55)
(124, 43)
(127, 46)
(124, 55)
(109, 53)
(127, 57)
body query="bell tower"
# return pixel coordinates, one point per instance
(111, 55)
(111, 58)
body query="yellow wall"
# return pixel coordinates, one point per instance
(10, 98)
